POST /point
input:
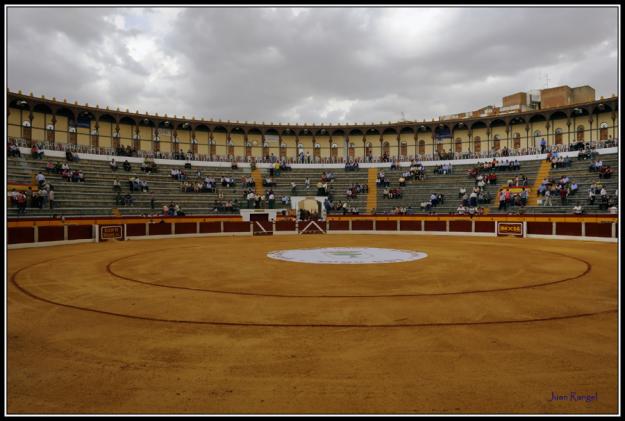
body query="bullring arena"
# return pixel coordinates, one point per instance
(123, 308)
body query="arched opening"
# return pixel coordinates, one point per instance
(537, 135)
(352, 151)
(403, 149)
(95, 139)
(458, 145)
(317, 151)
(516, 141)
(558, 136)
(496, 142)
(603, 131)
(580, 133)
(421, 147)
(50, 134)
(477, 144)
(368, 149)
(334, 151)
(27, 130)
(386, 149)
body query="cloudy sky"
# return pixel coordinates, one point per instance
(308, 64)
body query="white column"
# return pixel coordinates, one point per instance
(65, 229)
(96, 234)
(583, 229)
(613, 230)
(36, 238)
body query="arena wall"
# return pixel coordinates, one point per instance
(45, 232)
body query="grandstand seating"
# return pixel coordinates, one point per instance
(96, 196)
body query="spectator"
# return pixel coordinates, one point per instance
(127, 166)
(113, 165)
(14, 151)
(36, 152)
(41, 179)
(51, 197)
(547, 199)
(578, 210)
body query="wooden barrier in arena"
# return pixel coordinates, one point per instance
(39, 232)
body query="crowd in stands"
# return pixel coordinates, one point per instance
(126, 151)
(495, 165)
(509, 199)
(416, 171)
(443, 169)
(605, 171)
(477, 196)
(149, 166)
(394, 193)
(43, 196)
(381, 180)
(558, 161)
(340, 207)
(354, 190)
(173, 209)
(471, 210)
(435, 199)
(586, 153)
(351, 166)
(278, 167)
(605, 200)
(136, 184)
(563, 188)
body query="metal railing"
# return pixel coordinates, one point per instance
(86, 149)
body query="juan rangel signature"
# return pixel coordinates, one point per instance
(573, 397)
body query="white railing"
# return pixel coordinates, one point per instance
(311, 159)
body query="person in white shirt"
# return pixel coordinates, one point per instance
(41, 179)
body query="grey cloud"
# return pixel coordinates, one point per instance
(264, 65)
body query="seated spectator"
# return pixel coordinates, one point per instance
(49, 167)
(578, 210)
(113, 165)
(36, 152)
(128, 200)
(14, 151)
(70, 156)
(605, 172)
(116, 185)
(41, 179)
(127, 166)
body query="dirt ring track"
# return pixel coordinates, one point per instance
(211, 325)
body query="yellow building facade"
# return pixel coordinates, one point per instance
(56, 122)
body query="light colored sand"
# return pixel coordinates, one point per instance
(82, 339)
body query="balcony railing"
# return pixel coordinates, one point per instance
(310, 159)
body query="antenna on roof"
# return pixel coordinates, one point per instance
(403, 116)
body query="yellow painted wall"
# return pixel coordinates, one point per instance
(291, 150)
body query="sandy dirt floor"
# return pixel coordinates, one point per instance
(212, 325)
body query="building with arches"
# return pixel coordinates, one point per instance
(103, 130)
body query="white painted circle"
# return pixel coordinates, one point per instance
(346, 255)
